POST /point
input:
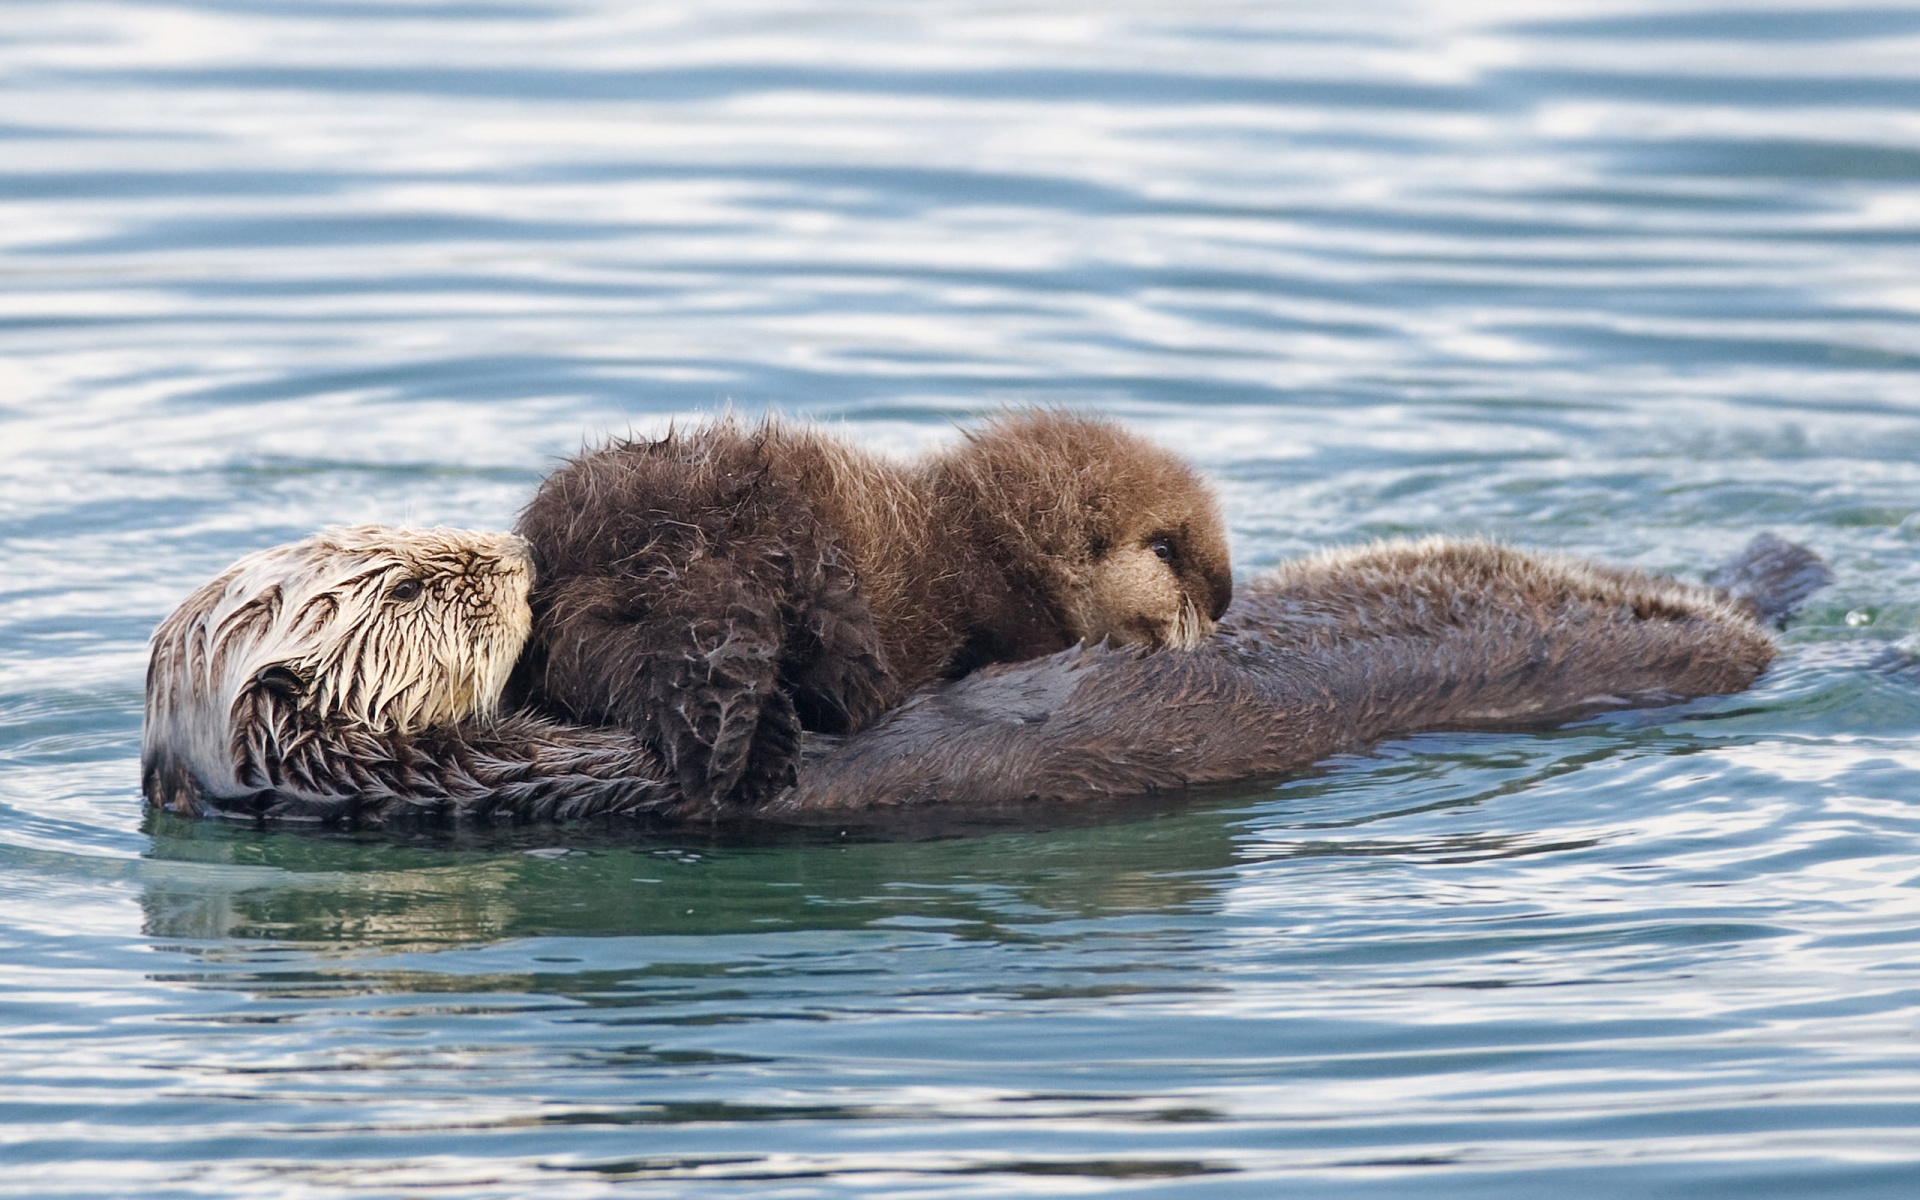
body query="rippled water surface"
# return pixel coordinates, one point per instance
(1634, 280)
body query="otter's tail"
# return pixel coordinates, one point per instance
(1772, 577)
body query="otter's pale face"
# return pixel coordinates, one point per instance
(1163, 583)
(395, 630)
(435, 621)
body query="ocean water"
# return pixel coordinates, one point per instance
(1635, 280)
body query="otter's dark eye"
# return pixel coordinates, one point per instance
(405, 590)
(1162, 549)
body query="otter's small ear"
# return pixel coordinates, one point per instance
(282, 680)
(1098, 545)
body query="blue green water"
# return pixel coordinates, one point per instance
(1631, 279)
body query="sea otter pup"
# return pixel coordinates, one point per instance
(722, 589)
(263, 698)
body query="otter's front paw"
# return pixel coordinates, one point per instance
(727, 742)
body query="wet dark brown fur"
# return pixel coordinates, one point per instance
(1325, 656)
(720, 590)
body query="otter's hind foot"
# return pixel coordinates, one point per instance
(1772, 577)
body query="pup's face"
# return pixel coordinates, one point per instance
(1161, 575)
(395, 629)
(1127, 535)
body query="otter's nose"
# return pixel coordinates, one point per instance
(513, 556)
(1220, 587)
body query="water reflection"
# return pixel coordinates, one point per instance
(382, 891)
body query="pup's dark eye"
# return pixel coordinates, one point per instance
(405, 590)
(1162, 549)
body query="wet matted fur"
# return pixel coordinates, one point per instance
(721, 589)
(290, 671)
(1324, 656)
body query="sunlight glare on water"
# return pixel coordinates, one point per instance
(1633, 280)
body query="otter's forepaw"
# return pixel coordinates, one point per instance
(725, 743)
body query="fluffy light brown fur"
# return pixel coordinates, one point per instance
(1124, 538)
(1039, 529)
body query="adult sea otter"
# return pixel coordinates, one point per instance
(352, 679)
